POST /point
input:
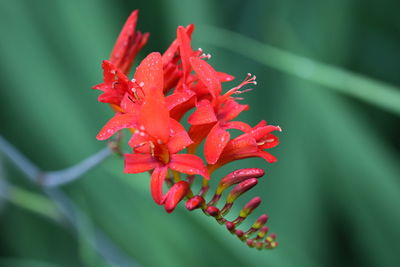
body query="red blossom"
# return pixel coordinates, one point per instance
(151, 104)
(128, 44)
(250, 144)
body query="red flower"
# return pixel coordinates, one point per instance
(214, 116)
(151, 105)
(128, 44)
(250, 144)
(157, 138)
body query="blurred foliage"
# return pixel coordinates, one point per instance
(333, 197)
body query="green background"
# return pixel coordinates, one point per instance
(334, 195)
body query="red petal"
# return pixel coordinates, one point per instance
(127, 32)
(175, 194)
(224, 77)
(185, 49)
(178, 142)
(139, 143)
(128, 44)
(197, 133)
(170, 52)
(238, 125)
(136, 163)
(267, 156)
(178, 111)
(118, 122)
(115, 84)
(242, 144)
(207, 75)
(260, 132)
(128, 105)
(215, 143)
(154, 116)
(150, 73)
(134, 47)
(178, 97)
(109, 73)
(230, 110)
(157, 182)
(270, 141)
(179, 137)
(261, 124)
(203, 114)
(189, 164)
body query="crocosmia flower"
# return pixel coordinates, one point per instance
(152, 103)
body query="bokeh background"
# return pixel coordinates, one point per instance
(334, 195)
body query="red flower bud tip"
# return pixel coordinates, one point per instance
(212, 211)
(194, 202)
(273, 244)
(263, 231)
(238, 176)
(175, 195)
(230, 226)
(270, 238)
(250, 242)
(239, 233)
(240, 189)
(128, 44)
(249, 207)
(260, 221)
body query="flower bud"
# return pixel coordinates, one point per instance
(194, 202)
(212, 211)
(239, 233)
(260, 221)
(238, 176)
(250, 242)
(230, 226)
(249, 207)
(270, 238)
(263, 231)
(240, 189)
(175, 195)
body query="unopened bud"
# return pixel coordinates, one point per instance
(194, 202)
(260, 221)
(230, 226)
(259, 245)
(263, 231)
(250, 242)
(212, 211)
(175, 195)
(270, 238)
(239, 233)
(273, 244)
(238, 176)
(240, 189)
(250, 206)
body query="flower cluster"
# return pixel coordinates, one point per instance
(152, 106)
